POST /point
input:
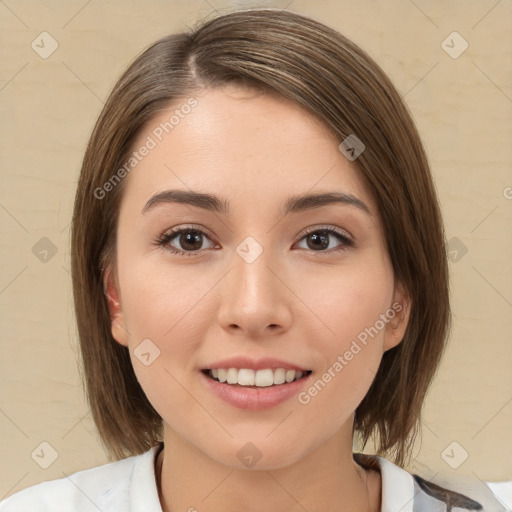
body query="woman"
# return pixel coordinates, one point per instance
(259, 274)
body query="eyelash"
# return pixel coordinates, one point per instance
(164, 239)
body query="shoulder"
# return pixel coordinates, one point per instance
(406, 492)
(121, 485)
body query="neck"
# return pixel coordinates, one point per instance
(327, 479)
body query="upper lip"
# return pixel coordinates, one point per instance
(255, 364)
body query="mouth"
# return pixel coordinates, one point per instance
(248, 378)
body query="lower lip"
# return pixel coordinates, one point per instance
(255, 398)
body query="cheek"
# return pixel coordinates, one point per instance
(161, 310)
(349, 360)
(163, 307)
(347, 303)
(336, 392)
(159, 303)
(350, 347)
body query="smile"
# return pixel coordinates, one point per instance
(247, 377)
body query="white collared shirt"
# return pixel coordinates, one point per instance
(129, 485)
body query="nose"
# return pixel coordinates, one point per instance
(255, 300)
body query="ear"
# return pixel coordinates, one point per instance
(110, 285)
(397, 325)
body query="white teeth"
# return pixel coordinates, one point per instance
(264, 378)
(259, 378)
(279, 376)
(232, 376)
(246, 377)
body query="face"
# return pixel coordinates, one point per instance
(255, 281)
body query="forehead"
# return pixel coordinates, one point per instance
(243, 144)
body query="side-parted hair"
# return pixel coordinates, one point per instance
(324, 72)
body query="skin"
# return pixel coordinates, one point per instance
(255, 150)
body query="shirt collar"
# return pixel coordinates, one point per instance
(397, 485)
(143, 490)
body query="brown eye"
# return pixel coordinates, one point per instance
(318, 240)
(188, 240)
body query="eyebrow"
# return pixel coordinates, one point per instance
(294, 204)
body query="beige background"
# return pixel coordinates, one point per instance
(463, 108)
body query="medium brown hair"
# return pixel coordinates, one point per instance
(324, 72)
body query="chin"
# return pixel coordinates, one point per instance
(260, 453)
